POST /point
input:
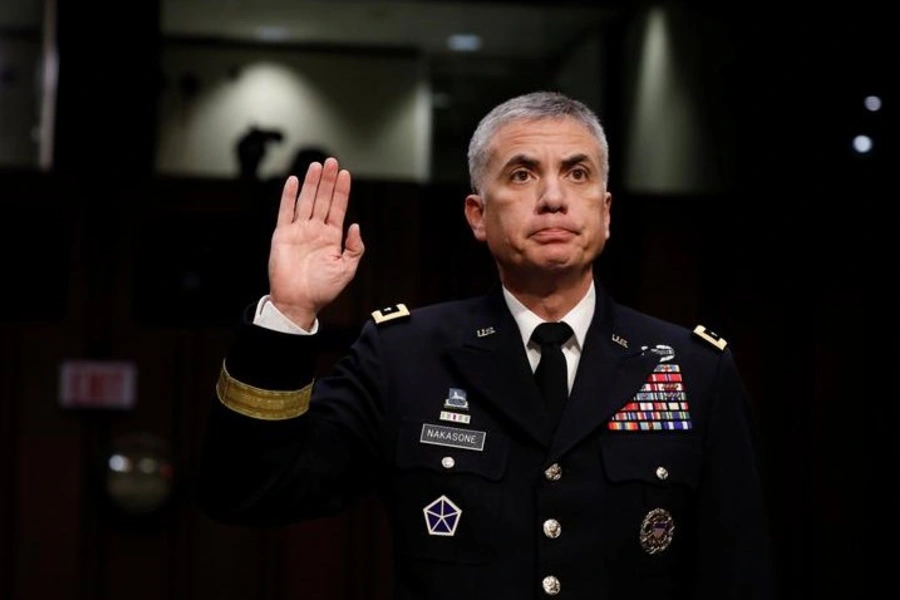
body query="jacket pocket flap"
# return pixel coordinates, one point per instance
(660, 460)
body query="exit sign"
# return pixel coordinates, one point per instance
(98, 384)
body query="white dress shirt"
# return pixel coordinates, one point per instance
(579, 319)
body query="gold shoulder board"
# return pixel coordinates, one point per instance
(713, 338)
(390, 313)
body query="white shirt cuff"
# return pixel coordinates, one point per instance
(268, 316)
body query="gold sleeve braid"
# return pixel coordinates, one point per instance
(257, 403)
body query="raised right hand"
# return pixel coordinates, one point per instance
(310, 263)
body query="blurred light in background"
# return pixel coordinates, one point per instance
(872, 103)
(464, 42)
(862, 144)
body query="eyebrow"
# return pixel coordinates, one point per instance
(576, 159)
(520, 160)
(531, 163)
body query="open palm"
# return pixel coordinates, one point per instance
(310, 263)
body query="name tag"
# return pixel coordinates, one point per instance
(453, 437)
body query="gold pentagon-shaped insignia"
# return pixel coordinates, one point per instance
(390, 313)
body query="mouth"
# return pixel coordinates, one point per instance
(553, 234)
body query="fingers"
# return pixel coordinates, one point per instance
(339, 199)
(326, 189)
(324, 196)
(308, 193)
(288, 199)
(354, 247)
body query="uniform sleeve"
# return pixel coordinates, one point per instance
(733, 558)
(280, 447)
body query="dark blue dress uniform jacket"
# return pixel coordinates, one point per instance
(587, 511)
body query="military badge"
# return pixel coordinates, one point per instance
(659, 405)
(456, 399)
(665, 352)
(390, 313)
(657, 530)
(442, 517)
(710, 336)
(455, 417)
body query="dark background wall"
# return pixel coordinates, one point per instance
(102, 259)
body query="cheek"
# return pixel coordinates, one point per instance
(502, 234)
(500, 222)
(600, 227)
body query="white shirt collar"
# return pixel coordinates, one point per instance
(579, 318)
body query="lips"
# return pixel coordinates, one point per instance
(553, 234)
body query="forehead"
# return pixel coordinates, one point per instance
(546, 137)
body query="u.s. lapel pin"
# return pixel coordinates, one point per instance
(485, 331)
(620, 340)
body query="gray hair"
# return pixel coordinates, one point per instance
(528, 107)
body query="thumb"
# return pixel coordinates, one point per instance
(354, 247)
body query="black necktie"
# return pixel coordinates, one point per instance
(551, 375)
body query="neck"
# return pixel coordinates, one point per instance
(551, 296)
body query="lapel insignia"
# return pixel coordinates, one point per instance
(710, 336)
(390, 313)
(620, 340)
(659, 405)
(442, 517)
(657, 531)
(456, 399)
(485, 331)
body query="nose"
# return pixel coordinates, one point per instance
(553, 196)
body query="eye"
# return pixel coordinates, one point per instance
(520, 175)
(579, 174)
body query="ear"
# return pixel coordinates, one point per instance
(475, 215)
(607, 205)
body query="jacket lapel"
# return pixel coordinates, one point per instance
(492, 360)
(608, 375)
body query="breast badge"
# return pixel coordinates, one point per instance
(664, 351)
(657, 530)
(442, 517)
(456, 399)
(458, 405)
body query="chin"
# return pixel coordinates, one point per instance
(555, 266)
(557, 260)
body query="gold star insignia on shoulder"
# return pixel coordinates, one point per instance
(398, 311)
(713, 338)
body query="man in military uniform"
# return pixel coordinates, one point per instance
(613, 457)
